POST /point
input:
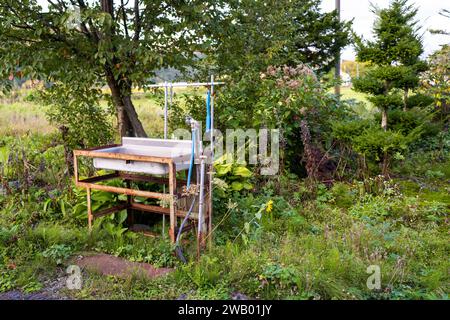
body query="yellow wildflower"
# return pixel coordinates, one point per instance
(269, 206)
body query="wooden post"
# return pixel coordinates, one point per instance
(172, 194)
(130, 217)
(75, 166)
(89, 208)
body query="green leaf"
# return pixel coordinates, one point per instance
(223, 169)
(237, 186)
(46, 204)
(242, 172)
(121, 216)
(63, 207)
(248, 186)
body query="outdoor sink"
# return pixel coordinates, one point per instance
(178, 150)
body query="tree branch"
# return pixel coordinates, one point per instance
(95, 34)
(137, 22)
(124, 17)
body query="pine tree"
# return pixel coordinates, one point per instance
(393, 57)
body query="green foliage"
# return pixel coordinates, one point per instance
(415, 120)
(264, 33)
(343, 195)
(436, 79)
(33, 159)
(376, 142)
(232, 177)
(7, 281)
(386, 102)
(419, 100)
(77, 114)
(57, 253)
(396, 36)
(348, 129)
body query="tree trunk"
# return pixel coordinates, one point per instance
(384, 119)
(128, 121)
(68, 152)
(124, 126)
(405, 99)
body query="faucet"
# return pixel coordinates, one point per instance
(195, 128)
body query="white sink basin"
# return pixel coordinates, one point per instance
(179, 150)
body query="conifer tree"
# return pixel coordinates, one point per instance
(393, 57)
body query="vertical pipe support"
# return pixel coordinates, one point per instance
(165, 108)
(89, 208)
(211, 167)
(201, 218)
(130, 217)
(172, 200)
(165, 137)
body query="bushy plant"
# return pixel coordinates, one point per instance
(232, 177)
(34, 160)
(81, 120)
(375, 144)
(436, 80)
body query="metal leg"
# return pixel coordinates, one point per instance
(89, 209)
(201, 209)
(130, 216)
(210, 207)
(172, 192)
(211, 168)
(75, 167)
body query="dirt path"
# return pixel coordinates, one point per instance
(111, 265)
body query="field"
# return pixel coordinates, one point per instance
(307, 243)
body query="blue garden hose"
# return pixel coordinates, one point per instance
(178, 250)
(191, 164)
(208, 111)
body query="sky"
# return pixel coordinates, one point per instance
(428, 17)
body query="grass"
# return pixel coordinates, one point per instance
(22, 117)
(348, 93)
(362, 106)
(19, 118)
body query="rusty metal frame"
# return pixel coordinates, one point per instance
(91, 183)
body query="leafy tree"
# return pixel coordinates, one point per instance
(88, 44)
(394, 57)
(278, 32)
(437, 79)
